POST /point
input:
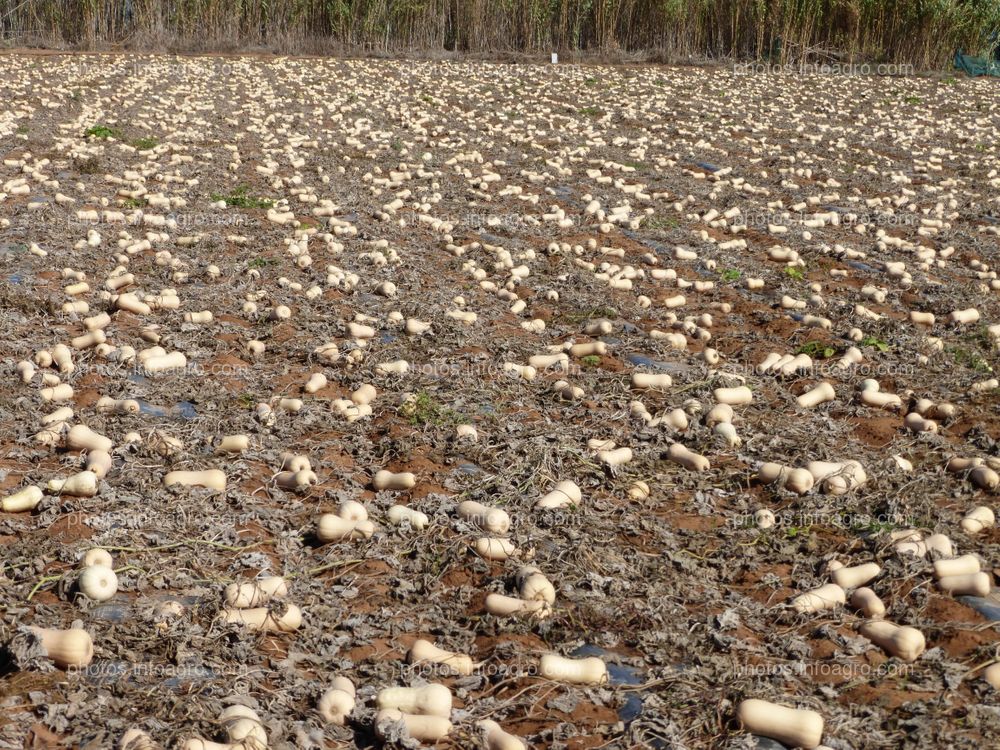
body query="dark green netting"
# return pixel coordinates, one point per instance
(980, 66)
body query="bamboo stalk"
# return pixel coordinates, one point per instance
(900, 31)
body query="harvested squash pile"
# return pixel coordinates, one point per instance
(357, 403)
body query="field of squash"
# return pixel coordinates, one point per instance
(350, 403)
